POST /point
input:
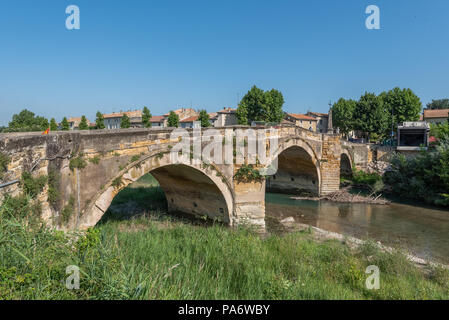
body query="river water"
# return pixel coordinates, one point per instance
(424, 231)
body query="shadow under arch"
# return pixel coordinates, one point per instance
(298, 169)
(345, 165)
(188, 189)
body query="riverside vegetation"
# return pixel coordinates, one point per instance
(156, 256)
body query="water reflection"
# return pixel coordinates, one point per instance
(423, 231)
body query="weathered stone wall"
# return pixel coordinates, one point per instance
(330, 164)
(112, 159)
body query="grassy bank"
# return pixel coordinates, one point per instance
(157, 256)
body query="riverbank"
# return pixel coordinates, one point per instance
(159, 257)
(345, 195)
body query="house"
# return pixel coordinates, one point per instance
(114, 120)
(301, 120)
(189, 122)
(75, 122)
(322, 120)
(226, 117)
(157, 121)
(183, 113)
(436, 116)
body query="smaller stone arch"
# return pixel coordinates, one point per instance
(346, 163)
(174, 181)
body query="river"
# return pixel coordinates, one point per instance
(424, 231)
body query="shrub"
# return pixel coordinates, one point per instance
(53, 188)
(4, 161)
(95, 160)
(247, 173)
(33, 186)
(78, 162)
(135, 158)
(68, 210)
(425, 177)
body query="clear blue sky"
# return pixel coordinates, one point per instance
(169, 54)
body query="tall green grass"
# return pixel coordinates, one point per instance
(154, 256)
(149, 258)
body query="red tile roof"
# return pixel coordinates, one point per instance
(190, 119)
(227, 110)
(301, 117)
(131, 114)
(157, 119)
(438, 113)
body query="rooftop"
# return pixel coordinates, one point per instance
(301, 116)
(438, 113)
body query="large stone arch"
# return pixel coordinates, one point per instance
(188, 188)
(298, 168)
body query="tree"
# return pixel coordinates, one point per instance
(173, 120)
(261, 106)
(65, 124)
(254, 102)
(242, 114)
(146, 117)
(274, 101)
(53, 125)
(204, 119)
(370, 116)
(99, 121)
(125, 123)
(83, 124)
(27, 121)
(438, 104)
(343, 115)
(401, 105)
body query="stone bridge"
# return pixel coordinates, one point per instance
(87, 169)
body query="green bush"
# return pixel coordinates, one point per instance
(33, 186)
(247, 173)
(68, 210)
(425, 177)
(4, 161)
(78, 162)
(53, 188)
(365, 178)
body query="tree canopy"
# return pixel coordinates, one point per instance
(125, 122)
(401, 105)
(438, 104)
(375, 115)
(343, 115)
(204, 119)
(146, 117)
(83, 124)
(371, 117)
(259, 105)
(27, 121)
(65, 124)
(53, 125)
(173, 120)
(99, 121)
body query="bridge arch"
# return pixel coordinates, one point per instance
(188, 188)
(345, 163)
(298, 168)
